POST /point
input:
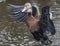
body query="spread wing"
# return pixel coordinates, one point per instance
(15, 12)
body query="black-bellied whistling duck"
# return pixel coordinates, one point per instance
(37, 27)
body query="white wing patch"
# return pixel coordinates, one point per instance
(51, 17)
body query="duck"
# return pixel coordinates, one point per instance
(42, 27)
(39, 27)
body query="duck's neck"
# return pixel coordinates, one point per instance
(30, 17)
(32, 23)
(29, 14)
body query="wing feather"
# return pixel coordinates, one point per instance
(15, 12)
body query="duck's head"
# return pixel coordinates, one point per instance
(27, 8)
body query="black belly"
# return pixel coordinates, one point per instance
(39, 36)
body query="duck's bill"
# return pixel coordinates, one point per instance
(24, 9)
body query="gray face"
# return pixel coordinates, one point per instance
(28, 5)
(27, 8)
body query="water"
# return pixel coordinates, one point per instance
(2, 0)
